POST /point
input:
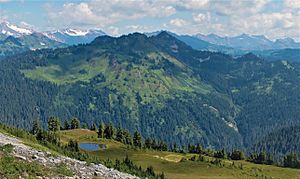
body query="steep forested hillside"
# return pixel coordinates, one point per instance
(10, 46)
(157, 85)
(281, 54)
(280, 142)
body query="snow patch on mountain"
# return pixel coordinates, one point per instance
(9, 29)
(19, 29)
(6, 32)
(76, 32)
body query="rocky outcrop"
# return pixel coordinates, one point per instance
(80, 168)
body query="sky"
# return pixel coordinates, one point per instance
(272, 18)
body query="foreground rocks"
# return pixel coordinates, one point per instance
(80, 168)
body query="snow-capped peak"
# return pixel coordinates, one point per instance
(74, 36)
(13, 30)
(19, 29)
(76, 32)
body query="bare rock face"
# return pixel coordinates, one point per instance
(79, 168)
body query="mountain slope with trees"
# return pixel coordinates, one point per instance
(157, 85)
(281, 142)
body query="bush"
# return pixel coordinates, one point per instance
(237, 155)
(217, 162)
(64, 170)
(193, 158)
(12, 168)
(7, 148)
(201, 158)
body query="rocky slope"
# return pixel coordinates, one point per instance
(79, 168)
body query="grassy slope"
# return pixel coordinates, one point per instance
(125, 77)
(168, 162)
(119, 76)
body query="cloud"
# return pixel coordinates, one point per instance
(293, 4)
(183, 16)
(26, 25)
(236, 17)
(107, 12)
(241, 7)
(178, 22)
(191, 4)
(74, 15)
(114, 30)
(274, 25)
(202, 18)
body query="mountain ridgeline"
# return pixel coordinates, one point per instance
(157, 85)
(15, 45)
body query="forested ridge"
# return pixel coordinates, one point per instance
(157, 85)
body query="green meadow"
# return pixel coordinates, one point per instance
(177, 165)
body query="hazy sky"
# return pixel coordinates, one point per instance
(274, 19)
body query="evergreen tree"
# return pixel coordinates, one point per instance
(109, 131)
(73, 145)
(174, 147)
(199, 149)
(84, 126)
(137, 139)
(35, 127)
(163, 146)
(162, 175)
(148, 143)
(191, 148)
(237, 155)
(75, 123)
(252, 157)
(262, 157)
(66, 125)
(101, 130)
(117, 164)
(150, 171)
(220, 154)
(93, 127)
(291, 160)
(153, 144)
(53, 124)
(269, 160)
(127, 137)
(40, 136)
(119, 135)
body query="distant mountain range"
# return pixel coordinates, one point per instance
(199, 44)
(15, 39)
(66, 36)
(28, 39)
(14, 45)
(74, 36)
(280, 49)
(249, 42)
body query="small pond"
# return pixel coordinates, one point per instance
(91, 146)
